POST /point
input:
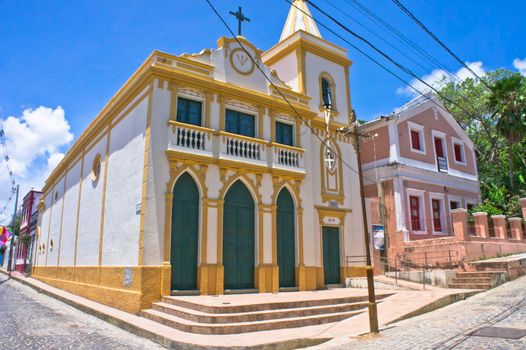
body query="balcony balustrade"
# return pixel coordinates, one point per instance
(207, 142)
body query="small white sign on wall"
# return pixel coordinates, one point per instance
(329, 220)
(128, 277)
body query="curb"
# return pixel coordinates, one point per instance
(157, 338)
(437, 304)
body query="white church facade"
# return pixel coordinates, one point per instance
(198, 177)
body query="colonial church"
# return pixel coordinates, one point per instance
(198, 177)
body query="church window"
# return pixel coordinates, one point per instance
(284, 133)
(95, 170)
(326, 93)
(189, 111)
(240, 123)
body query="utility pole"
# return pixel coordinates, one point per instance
(9, 265)
(353, 132)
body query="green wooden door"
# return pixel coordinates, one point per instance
(285, 233)
(185, 236)
(238, 238)
(331, 255)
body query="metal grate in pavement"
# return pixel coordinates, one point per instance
(500, 332)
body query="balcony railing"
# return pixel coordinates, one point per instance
(188, 136)
(442, 164)
(242, 146)
(207, 142)
(287, 155)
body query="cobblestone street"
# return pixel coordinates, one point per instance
(451, 327)
(31, 320)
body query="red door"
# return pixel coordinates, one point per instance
(437, 222)
(414, 203)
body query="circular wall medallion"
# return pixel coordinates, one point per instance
(95, 170)
(241, 61)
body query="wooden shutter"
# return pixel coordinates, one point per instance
(415, 139)
(414, 203)
(437, 222)
(458, 153)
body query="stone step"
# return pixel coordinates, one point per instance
(472, 280)
(203, 317)
(479, 274)
(246, 327)
(470, 285)
(227, 309)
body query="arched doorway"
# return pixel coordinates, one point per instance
(238, 238)
(285, 235)
(185, 234)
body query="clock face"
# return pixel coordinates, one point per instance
(241, 61)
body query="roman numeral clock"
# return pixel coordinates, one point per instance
(241, 61)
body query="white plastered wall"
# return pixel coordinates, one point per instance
(57, 197)
(287, 68)
(158, 176)
(124, 189)
(91, 207)
(69, 219)
(316, 65)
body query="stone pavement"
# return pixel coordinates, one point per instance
(451, 327)
(31, 320)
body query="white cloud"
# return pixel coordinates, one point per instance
(520, 65)
(440, 77)
(34, 142)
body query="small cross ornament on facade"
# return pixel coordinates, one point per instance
(240, 19)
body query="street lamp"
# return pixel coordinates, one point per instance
(353, 132)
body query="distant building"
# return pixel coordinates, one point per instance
(426, 166)
(28, 230)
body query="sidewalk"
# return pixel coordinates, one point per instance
(402, 304)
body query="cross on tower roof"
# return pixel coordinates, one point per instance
(240, 18)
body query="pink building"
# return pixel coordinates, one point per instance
(28, 229)
(423, 165)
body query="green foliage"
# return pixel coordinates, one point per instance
(495, 120)
(487, 207)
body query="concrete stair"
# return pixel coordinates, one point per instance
(478, 280)
(233, 319)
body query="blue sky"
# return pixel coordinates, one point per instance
(76, 54)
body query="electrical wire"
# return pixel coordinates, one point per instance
(323, 142)
(401, 37)
(383, 54)
(3, 144)
(424, 69)
(432, 35)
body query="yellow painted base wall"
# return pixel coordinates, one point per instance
(105, 285)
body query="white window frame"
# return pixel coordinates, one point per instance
(284, 120)
(440, 197)
(439, 135)
(457, 141)
(411, 192)
(195, 98)
(420, 129)
(234, 106)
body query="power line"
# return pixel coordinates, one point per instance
(323, 142)
(421, 25)
(381, 65)
(387, 57)
(397, 34)
(6, 158)
(425, 69)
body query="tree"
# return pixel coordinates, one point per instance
(472, 109)
(508, 102)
